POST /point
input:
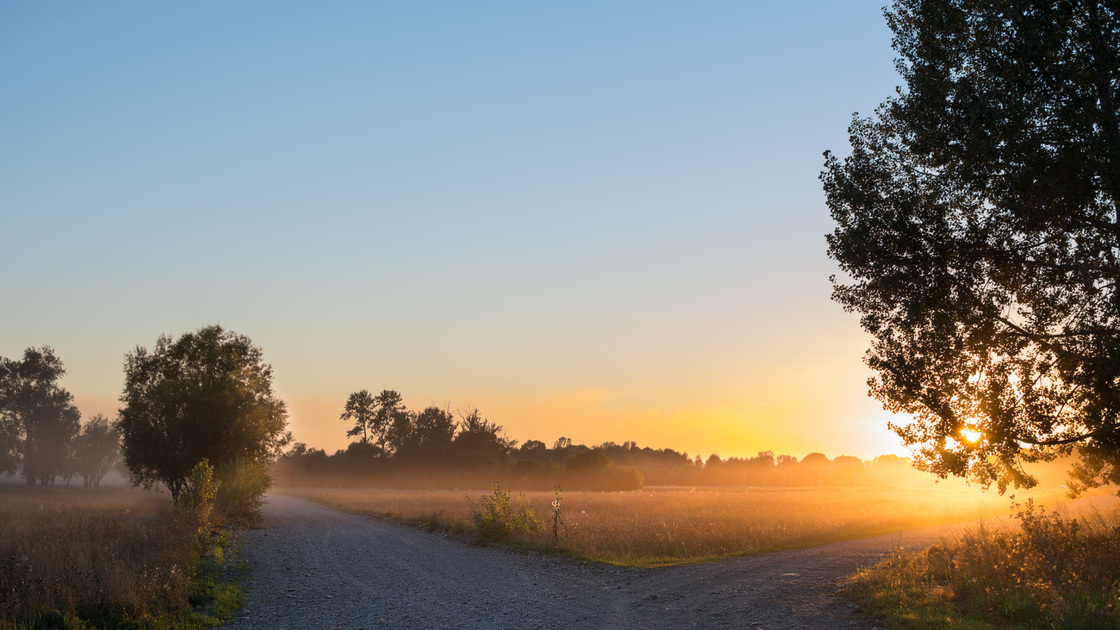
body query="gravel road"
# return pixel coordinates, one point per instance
(315, 568)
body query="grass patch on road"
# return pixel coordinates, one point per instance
(78, 558)
(671, 526)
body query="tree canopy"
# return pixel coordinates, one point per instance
(978, 235)
(206, 395)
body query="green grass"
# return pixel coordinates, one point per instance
(1050, 572)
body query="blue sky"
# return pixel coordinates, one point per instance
(596, 218)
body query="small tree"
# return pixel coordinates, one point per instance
(207, 395)
(96, 450)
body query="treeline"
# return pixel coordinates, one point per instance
(433, 448)
(41, 433)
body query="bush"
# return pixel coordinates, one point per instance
(497, 518)
(241, 494)
(196, 502)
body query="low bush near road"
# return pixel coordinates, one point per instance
(1050, 572)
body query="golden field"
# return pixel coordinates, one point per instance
(672, 525)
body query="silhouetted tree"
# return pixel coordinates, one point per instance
(397, 420)
(481, 442)
(533, 450)
(978, 230)
(361, 408)
(430, 437)
(36, 415)
(9, 448)
(207, 395)
(382, 420)
(96, 450)
(588, 461)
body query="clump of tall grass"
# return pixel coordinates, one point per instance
(1053, 572)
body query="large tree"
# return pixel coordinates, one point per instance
(37, 419)
(978, 233)
(206, 395)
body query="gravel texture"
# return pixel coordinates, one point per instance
(313, 568)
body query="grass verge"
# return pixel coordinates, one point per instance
(1052, 571)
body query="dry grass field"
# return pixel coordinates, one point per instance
(666, 526)
(92, 557)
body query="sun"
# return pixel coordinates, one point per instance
(971, 435)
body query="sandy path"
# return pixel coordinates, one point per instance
(314, 567)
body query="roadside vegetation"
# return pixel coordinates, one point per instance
(200, 423)
(1052, 571)
(667, 526)
(109, 557)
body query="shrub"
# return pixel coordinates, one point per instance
(196, 502)
(241, 494)
(497, 518)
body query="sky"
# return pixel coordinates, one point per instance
(598, 220)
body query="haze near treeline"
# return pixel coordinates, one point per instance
(598, 222)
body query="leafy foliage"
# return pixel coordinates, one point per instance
(978, 230)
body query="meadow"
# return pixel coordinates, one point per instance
(663, 526)
(102, 557)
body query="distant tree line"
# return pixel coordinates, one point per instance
(41, 434)
(434, 448)
(396, 446)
